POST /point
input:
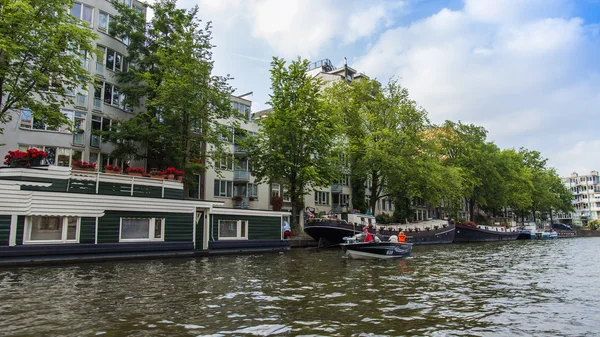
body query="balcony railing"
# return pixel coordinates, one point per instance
(241, 175)
(237, 149)
(81, 100)
(244, 203)
(336, 188)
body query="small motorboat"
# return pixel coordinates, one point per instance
(375, 250)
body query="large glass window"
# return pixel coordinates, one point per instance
(223, 188)
(142, 229)
(233, 230)
(51, 229)
(322, 198)
(82, 12)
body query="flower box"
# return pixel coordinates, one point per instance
(135, 174)
(110, 169)
(112, 172)
(170, 176)
(162, 176)
(180, 178)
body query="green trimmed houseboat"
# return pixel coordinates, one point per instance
(52, 213)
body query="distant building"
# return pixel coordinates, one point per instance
(586, 198)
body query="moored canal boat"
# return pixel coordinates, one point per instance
(331, 231)
(468, 232)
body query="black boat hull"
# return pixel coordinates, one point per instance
(373, 250)
(469, 233)
(333, 233)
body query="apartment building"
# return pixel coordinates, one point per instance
(95, 107)
(586, 198)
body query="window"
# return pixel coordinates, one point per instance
(109, 93)
(109, 59)
(287, 197)
(51, 229)
(136, 229)
(28, 122)
(226, 135)
(253, 190)
(344, 199)
(223, 188)
(233, 230)
(275, 190)
(225, 162)
(383, 203)
(242, 109)
(321, 198)
(103, 21)
(58, 156)
(82, 12)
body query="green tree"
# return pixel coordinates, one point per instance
(296, 145)
(42, 47)
(382, 128)
(170, 75)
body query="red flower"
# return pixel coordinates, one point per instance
(170, 170)
(134, 170)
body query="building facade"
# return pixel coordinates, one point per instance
(95, 107)
(586, 198)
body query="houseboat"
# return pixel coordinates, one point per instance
(470, 232)
(330, 230)
(53, 213)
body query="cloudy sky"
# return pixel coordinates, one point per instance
(526, 70)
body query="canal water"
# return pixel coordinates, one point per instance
(535, 288)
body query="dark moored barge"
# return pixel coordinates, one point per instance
(331, 232)
(479, 233)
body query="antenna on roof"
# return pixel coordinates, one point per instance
(246, 94)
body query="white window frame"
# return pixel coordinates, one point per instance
(223, 193)
(151, 230)
(81, 13)
(275, 189)
(65, 223)
(322, 198)
(240, 236)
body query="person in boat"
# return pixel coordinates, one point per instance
(377, 237)
(393, 238)
(365, 236)
(401, 237)
(287, 231)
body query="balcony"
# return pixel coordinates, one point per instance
(81, 101)
(336, 188)
(244, 203)
(238, 150)
(241, 175)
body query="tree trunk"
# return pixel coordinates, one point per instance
(186, 126)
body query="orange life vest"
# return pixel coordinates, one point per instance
(402, 238)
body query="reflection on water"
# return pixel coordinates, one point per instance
(516, 288)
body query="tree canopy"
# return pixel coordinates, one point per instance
(297, 141)
(184, 106)
(44, 52)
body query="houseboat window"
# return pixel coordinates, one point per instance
(233, 230)
(137, 229)
(51, 229)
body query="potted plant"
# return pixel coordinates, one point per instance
(444, 225)
(170, 172)
(112, 169)
(135, 171)
(180, 175)
(27, 158)
(277, 202)
(156, 174)
(251, 198)
(83, 166)
(436, 227)
(237, 198)
(428, 228)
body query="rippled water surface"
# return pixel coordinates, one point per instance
(535, 288)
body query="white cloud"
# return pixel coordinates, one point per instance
(527, 76)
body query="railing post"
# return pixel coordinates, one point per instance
(132, 183)
(163, 189)
(97, 180)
